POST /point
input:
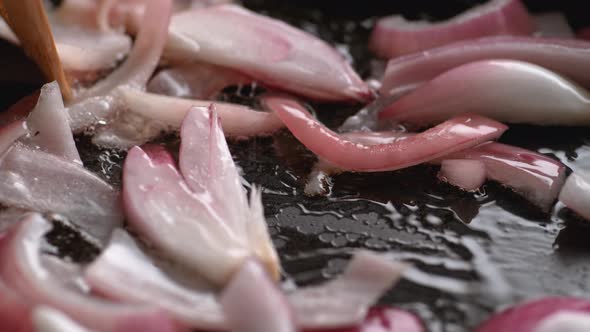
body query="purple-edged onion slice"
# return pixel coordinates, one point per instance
(22, 270)
(200, 217)
(195, 80)
(452, 136)
(531, 316)
(562, 56)
(535, 176)
(394, 36)
(505, 90)
(268, 50)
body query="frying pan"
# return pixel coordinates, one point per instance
(473, 253)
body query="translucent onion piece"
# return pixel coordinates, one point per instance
(454, 135)
(47, 319)
(21, 269)
(468, 175)
(236, 120)
(346, 300)
(39, 181)
(253, 303)
(562, 56)
(124, 273)
(565, 321)
(394, 36)
(268, 50)
(505, 90)
(204, 229)
(49, 128)
(535, 176)
(576, 194)
(11, 133)
(195, 80)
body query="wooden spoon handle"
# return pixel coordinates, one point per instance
(28, 21)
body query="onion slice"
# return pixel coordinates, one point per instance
(253, 303)
(47, 319)
(21, 269)
(268, 50)
(505, 90)
(203, 229)
(15, 313)
(144, 56)
(535, 176)
(466, 174)
(49, 128)
(394, 36)
(562, 56)
(39, 181)
(10, 133)
(454, 135)
(528, 316)
(569, 321)
(345, 301)
(195, 80)
(576, 194)
(124, 273)
(236, 120)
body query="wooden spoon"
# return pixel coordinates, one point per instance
(28, 21)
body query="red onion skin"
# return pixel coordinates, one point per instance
(527, 316)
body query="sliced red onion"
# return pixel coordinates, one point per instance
(236, 120)
(39, 181)
(48, 125)
(203, 229)
(22, 271)
(454, 135)
(9, 134)
(530, 316)
(468, 175)
(144, 56)
(576, 194)
(505, 90)
(195, 80)
(252, 302)
(385, 319)
(15, 313)
(20, 109)
(565, 321)
(553, 24)
(268, 50)
(88, 50)
(81, 50)
(394, 36)
(559, 55)
(346, 300)
(124, 273)
(535, 176)
(47, 319)
(209, 170)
